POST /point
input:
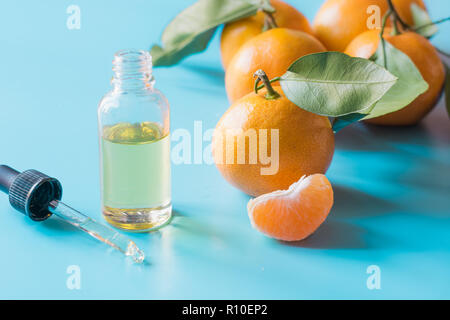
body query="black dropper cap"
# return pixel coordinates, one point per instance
(30, 192)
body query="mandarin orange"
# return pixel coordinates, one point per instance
(338, 22)
(236, 33)
(273, 51)
(426, 59)
(298, 142)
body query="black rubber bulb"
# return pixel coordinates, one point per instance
(30, 192)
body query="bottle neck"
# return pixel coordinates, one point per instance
(132, 70)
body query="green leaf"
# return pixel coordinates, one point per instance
(422, 22)
(172, 54)
(447, 88)
(191, 31)
(334, 84)
(409, 86)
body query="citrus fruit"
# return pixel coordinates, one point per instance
(273, 51)
(293, 214)
(299, 143)
(366, 44)
(236, 33)
(339, 21)
(426, 59)
(403, 8)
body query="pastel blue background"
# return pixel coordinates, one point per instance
(392, 186)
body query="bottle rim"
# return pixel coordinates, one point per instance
(132, 69)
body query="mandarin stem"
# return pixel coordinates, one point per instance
(269, 21)
(262, 77)
(432, 23)
(271, 81)
(397, 17)
(383, 43)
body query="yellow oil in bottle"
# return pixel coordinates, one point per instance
(136, 188)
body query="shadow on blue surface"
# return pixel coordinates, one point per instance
(208, 71)
(412, 167)
(334, 235)
(185, 222)
(348, 203)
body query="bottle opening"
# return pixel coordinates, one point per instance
(132, 69)
(133, 56)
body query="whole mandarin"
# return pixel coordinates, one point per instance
(273, 51)
(236, 33)
(305, 143)
(338, 22)
(426, 59)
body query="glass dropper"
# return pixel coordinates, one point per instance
(97, 230)
(39, 196)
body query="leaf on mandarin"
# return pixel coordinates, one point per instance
(191, 31)
(409, 86)
(335, 84)
(423, 24)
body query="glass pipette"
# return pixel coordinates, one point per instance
(39, 196)
(97, 230)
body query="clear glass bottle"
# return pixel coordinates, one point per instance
(134, 130)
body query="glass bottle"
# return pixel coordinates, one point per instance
(134, 131)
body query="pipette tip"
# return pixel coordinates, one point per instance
(135, 253)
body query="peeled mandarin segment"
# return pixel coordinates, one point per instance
(293, 214)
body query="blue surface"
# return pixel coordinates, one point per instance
(392, 186)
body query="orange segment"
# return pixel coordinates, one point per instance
(293, 214)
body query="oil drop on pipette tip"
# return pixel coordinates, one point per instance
(100, 232)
